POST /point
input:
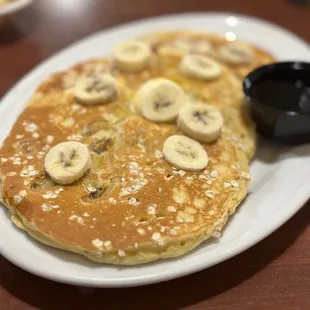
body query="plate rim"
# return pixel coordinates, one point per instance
(145, 280)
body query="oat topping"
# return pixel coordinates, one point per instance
(17, 199)
(17, 161)
(121, 253)
(107, 244)
(173, 232)
(151, 209)
(91, 189)
(172, 209)
(134, 188)
(202, 176)
(112, 200)
(52, 194)
(158, 154)
(68, 122)
(234, 184)
(156, 236)
(35, 135)
(183, 216)
(4, 160)
(31, 127)
(77, 218)
(235, 166)
(75, 107)
(133, 166)
(46, 207)
(97, 243)
(245, 175)
(181, 173)
(75, 138)
(216, 234)
(133, 201)
(214, 174)
(23, 193)
(161, 170)
(141, 231)
(209, 193)
(227, 184)
(49, 139)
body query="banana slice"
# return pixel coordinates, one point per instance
(67, 162)
(185, 153)
(200, 121)
(159, 100)
(236, 53)
(132, 56)
(200, 67)
(96, 89)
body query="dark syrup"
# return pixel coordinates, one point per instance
(284, 94)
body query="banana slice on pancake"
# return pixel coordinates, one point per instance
(67, 162)
(159, 100)
(236, 53)
(96, 89)
(200, 121)
(132, 56)
(200, 67)
(185, 153)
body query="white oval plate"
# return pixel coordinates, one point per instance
(280, 186)
(14, 7)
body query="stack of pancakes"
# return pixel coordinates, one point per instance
(134, 200)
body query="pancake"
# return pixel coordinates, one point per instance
(178, 43)
(131, 206)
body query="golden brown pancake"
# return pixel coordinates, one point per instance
(132, 206)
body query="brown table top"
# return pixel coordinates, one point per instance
(274, 274)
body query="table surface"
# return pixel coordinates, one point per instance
(274, 274)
